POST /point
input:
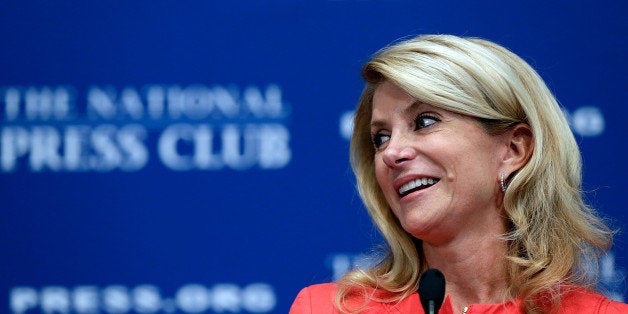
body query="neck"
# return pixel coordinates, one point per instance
(474, 266)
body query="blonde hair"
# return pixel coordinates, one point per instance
(554, 238)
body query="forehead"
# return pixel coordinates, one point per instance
(390, 100)
(391, 103)
(390, 95)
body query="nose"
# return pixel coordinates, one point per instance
(398, 151)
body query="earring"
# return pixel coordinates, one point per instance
(502, 182)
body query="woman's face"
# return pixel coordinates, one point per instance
(438, 170)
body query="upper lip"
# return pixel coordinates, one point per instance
(400, 181)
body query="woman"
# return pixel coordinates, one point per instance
(466, 164)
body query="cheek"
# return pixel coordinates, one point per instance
(382, 176)
(380, 172)
(477, 172)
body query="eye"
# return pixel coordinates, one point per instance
(379, 139)
(424, 120)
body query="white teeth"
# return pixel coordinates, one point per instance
(416, 183)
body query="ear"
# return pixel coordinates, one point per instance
(520, 145)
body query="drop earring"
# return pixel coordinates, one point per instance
(502, 182)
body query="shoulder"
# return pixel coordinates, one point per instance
(578, 299)
(315, 299)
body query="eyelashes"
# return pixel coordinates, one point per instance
(379, 139)
(422, 121)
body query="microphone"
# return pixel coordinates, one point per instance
(432, 290)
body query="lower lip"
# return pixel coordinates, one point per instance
(417, 193)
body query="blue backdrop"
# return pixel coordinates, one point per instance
(192, 156)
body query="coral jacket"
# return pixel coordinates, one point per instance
(319, 299)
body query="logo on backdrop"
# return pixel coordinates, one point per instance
(116, 299)
(102, 129)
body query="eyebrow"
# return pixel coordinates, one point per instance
(406, 112)
(413, 107)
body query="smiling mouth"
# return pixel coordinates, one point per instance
(415, 185)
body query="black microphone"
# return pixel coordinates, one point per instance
(432, 290)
